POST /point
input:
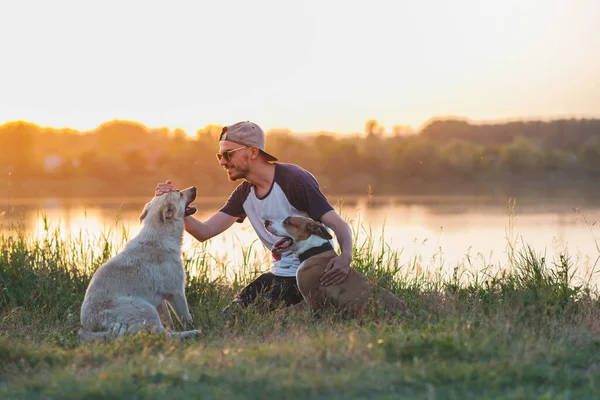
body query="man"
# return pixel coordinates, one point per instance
(269, 191)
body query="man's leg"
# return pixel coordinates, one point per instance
(285, 290)
(270, 290)
(250, 293)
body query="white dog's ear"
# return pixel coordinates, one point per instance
(144, 213)
(167, 211)
(316, 228)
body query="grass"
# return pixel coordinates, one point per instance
(523, 332)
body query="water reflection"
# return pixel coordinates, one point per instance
(434, 233)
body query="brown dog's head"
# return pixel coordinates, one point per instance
(297, 234)
(171, 206)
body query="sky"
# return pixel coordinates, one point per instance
(314, 65)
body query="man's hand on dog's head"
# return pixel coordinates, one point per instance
(167, 187)
(163, 188)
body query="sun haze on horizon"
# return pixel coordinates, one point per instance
(307, 65)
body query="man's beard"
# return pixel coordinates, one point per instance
(238, 174)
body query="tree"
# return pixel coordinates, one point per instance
(372, 128)
(461, 157)
(18, 148)
(136, 162)
(522, 155)
(116, 136)
(402, 130)
(416, 157)
(209, 134)
(590, 157)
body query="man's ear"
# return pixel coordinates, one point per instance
(144, 213)
(316, 228)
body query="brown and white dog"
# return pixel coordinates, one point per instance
(310, 241)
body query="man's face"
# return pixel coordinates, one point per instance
(237, 165)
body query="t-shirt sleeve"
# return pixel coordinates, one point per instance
(235, 203)
(303, 191)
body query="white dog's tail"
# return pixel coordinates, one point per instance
(109, 335)
(116, 330)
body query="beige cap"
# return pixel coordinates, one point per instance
(248, 134)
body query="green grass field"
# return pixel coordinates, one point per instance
(522, 333)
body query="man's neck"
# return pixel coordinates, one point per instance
(262, 177)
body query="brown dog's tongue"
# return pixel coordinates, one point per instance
(280, 246)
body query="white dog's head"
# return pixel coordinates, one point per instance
(298, 234)
(172, 206)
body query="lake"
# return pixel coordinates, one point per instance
(435, 233)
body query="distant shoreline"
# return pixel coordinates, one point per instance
(144, 187)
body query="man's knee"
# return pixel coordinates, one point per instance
(268, 292)
(250, 292)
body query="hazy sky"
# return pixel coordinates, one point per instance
(303, 65)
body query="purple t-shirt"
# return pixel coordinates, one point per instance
(294, 191)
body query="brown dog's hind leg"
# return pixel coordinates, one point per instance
(394, 304)
(314, 298)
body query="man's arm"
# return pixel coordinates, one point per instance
(338, 267)
(216, 224)
(202, 231)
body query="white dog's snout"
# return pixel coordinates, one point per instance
(190, 192)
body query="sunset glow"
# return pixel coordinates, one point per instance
(303, 65)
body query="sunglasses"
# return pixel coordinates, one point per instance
(227, 153)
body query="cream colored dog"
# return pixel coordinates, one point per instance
(130, 292)
(309, 240)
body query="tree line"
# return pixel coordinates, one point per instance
(446, 155)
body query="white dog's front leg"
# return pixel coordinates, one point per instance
(165, 315)
(182, 312)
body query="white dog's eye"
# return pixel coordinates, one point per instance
(180, 195)
(287, 221)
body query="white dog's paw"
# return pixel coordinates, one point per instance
(185, 335)
(195, 334)
(118, 329)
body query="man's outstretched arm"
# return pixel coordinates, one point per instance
(201, 230)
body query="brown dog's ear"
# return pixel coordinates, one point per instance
(316, 228)
(144, 213)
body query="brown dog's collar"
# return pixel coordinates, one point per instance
(314, 251)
